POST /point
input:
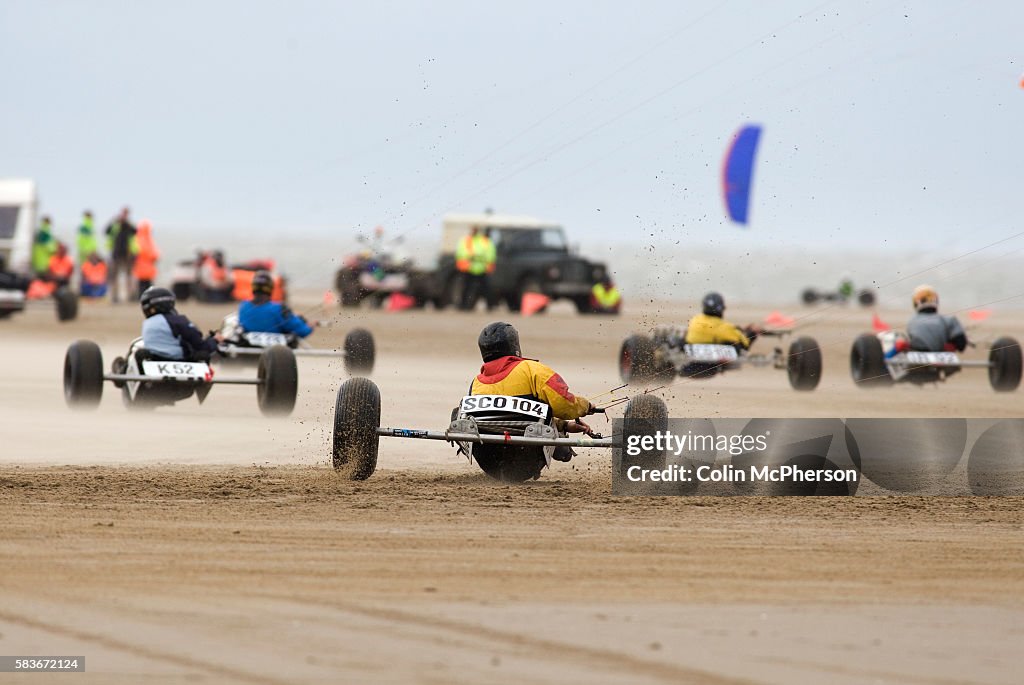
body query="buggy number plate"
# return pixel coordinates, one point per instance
(488, 404)
(933, 358)
(258, 339)
(711, 353)
(183, 370)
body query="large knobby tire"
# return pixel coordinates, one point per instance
(644, 415)
(867, 362)
(1005, 359)
(866, 297)
(810, 296)
(83, 375)
(583, 304)
(182, 291)
(636, 359)
(350, 294)
(803, 364)
(356, 419)
(67, 304)
(360, 352)
(279, 381)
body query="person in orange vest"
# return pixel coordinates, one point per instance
(61, 267)
(146, 256)
(214, 278)
(94, 276)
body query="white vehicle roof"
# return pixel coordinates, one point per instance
(457, 225)
(17, 221)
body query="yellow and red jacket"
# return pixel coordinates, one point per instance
(714, 330)
(518, 377)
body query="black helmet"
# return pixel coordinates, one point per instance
(262, 283)
(498, 340)
(714, 304)
(157, 301)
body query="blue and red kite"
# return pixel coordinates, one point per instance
(738, 172)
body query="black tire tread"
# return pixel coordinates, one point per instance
(356, 419)
(279, 386)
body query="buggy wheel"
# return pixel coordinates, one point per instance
(638, 362)
(867, 362)
(359, 351)
(356, 419)
(866, 297)
(810, 296)
(347, 284)
(67, 304)
(644, 415)
(182, 290)
(1005, 370)
(279, 381)
(803, 364)
(83, 375)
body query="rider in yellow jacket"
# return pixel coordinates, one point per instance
(506, 372)
(709, 328)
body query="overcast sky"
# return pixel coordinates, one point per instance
(885, 122)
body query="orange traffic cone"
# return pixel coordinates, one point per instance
(533, 303)
(399, 301)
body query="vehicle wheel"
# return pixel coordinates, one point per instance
(67, 304)
(644, 415)
(4, 313)
(359, 351)
(803, 364)
(356, 419)
(449, 294)
(810, 296)
(119, 367)
(638, 364)
(866, 297)
(347, 285)
(182, 291)
(83, 375)
(583, 305)
(279, 381)
(1005, 358)
(867, 363)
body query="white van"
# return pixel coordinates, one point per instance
(18, 204)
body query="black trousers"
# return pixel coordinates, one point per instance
(473, 288)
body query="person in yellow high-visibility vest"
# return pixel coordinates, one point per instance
(475, 259)
(605, 298)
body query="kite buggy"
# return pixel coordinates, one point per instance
(512, 439)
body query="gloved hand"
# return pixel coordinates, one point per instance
(577, 426)
(752, 331)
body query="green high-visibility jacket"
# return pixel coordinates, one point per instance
(43, 247)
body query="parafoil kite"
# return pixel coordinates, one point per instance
(738, 171)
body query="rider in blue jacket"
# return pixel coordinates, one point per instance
(263, 316)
